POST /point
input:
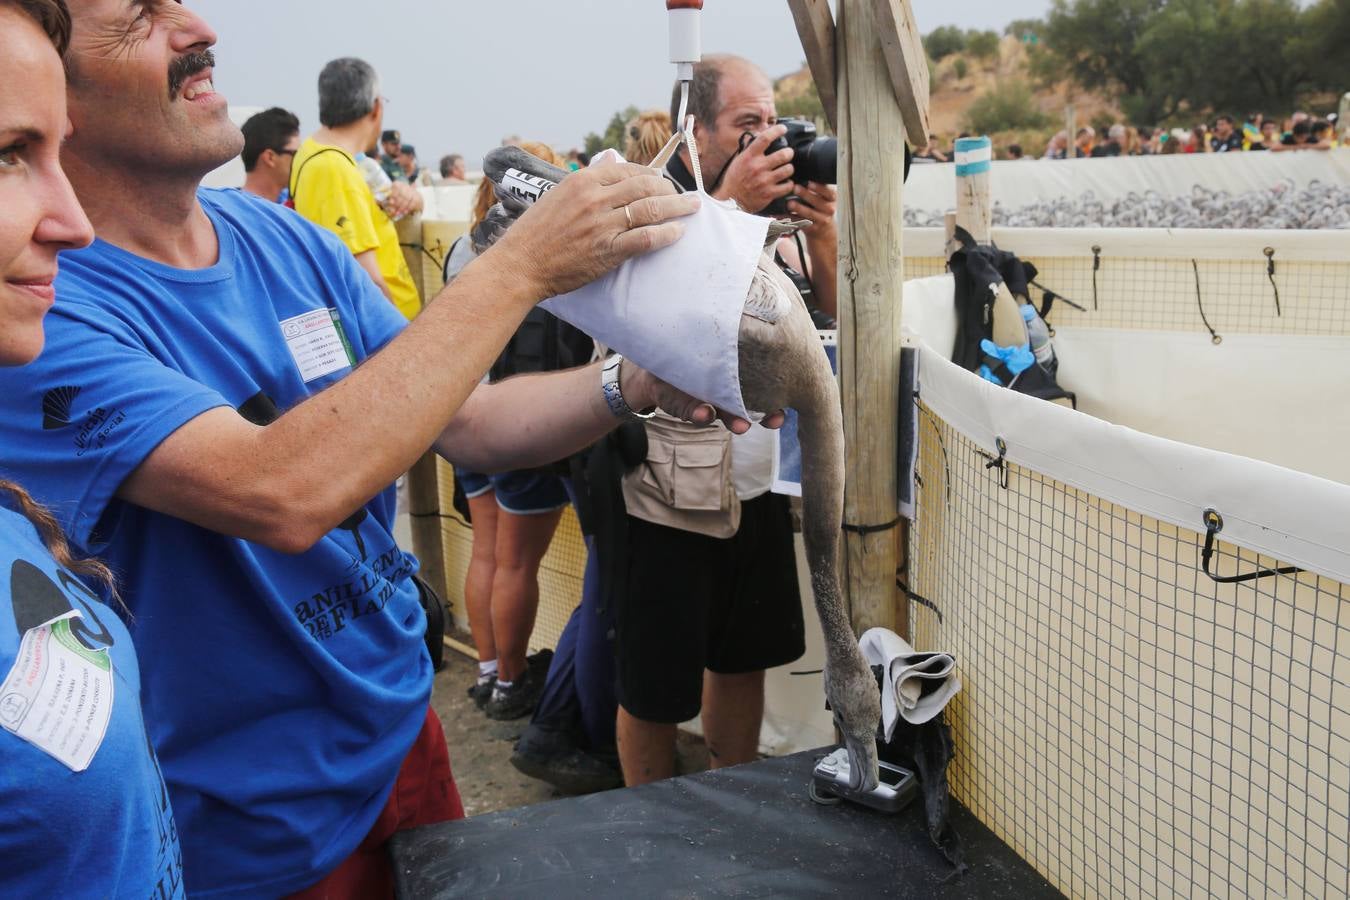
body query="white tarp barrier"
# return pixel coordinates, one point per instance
(1292, 516)
(1276, 398)
(1015, 184)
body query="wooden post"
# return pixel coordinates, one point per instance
(424, 496)
(1070, 126)
(974, 206)
(871, 180)
(974, 213)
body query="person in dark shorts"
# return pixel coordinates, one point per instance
(711, 601)
(514, 517)
(514, 513)
(730, 606)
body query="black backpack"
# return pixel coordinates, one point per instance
(977, 267)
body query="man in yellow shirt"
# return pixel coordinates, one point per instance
(328, 186)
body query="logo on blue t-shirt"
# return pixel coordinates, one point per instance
(97, 427)
(37, 600)
(56, 405)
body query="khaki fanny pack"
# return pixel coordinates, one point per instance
(685, 481)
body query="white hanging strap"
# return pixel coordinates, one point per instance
(659, 161)
(686, 136)
(693, 153)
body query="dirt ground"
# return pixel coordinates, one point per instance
(480, 748)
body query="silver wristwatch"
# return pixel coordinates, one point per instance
(609, 384)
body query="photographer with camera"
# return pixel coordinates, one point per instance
(767, 165)
(710, 599)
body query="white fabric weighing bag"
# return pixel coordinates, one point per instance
(676, 312)
(915, 686)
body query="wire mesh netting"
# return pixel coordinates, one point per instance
(560, 572)
(1129, 726)
(1230, 296)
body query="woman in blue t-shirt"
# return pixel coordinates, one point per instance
(83, 808)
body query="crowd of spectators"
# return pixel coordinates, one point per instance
(1223, 135)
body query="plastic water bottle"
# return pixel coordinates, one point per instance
(377, 178)
(1038, 333)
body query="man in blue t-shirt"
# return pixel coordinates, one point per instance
(223, 404)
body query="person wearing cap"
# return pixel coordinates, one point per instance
(391, 144)
(407, 162)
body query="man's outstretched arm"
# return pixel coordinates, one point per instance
(289, 483)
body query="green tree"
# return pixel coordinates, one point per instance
(944, 41)
(1021, 28)
(615, 132)
(1094, 43)
(1164, 58)
(959, 68)
(982, 44)
(1007, 106)
(805, 105)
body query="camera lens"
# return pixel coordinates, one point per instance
(817, 161)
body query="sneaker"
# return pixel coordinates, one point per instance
(572, 771)
(480, 692)
(518, 700)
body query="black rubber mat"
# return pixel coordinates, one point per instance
(750, 831)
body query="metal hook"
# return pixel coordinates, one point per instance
(999, 462)
(1213, 525)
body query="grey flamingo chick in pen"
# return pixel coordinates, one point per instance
(782, 365)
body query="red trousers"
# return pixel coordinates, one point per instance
(424, 794)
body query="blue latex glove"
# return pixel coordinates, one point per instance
(1018, 359)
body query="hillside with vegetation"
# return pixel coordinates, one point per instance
(1143, 62)
(1147, 63)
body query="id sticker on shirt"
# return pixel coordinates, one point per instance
(317, 343)
(59, 694)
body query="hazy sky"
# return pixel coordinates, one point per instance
(460, 74)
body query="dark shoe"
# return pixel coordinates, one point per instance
(539, 663)
(572, 771)
(518, 700)
(480, 692)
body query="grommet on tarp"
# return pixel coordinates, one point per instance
(1096, 266)
(1215, 338)
(1270, 273)
(999, 462)
(1213, 525)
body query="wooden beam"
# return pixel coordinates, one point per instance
(815, 27)
(871, 179)
(906, 63)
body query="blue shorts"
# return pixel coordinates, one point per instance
(524, 492)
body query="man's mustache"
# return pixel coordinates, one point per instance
(184, 67)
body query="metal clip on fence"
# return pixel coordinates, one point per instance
(999, 462)
(1270, 273)
(1096, 266)
(1215, 338)
(1213, 525)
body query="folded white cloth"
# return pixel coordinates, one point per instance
(677, 312)
(915, 686)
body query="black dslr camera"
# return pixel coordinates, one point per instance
(814, 158)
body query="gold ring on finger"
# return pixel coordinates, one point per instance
(628, 214)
